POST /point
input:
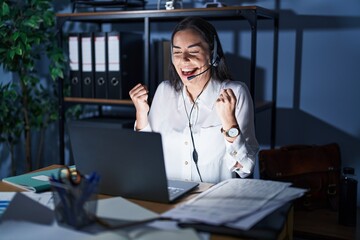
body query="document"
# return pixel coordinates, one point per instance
(229, 201)
(148, 234)
(45, 198)
(249, 221)
(33, 231)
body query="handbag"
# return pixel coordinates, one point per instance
(312, 167)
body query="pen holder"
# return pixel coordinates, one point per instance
(75, 205)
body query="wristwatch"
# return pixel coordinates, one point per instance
(233, 132)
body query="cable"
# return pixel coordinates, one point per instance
(194, 154)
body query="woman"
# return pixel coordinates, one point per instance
(205, 119)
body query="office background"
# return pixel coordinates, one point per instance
(318, 74)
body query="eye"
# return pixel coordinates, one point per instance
(194, 52)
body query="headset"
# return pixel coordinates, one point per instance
(215, 57)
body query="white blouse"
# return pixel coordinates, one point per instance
(170, 115)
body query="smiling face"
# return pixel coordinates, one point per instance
(191, 56)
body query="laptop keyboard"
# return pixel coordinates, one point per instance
(174, 191)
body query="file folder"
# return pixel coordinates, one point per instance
(75, 64)
(113, 65)
(100, 65)
(125, 63)
(87, 54)
(132, 61)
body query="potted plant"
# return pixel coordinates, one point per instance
(28, 34)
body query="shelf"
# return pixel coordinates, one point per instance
(209, 13)
(110, 3)
(98, 101)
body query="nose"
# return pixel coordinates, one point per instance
(185, 57)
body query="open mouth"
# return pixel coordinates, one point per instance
(188, 72)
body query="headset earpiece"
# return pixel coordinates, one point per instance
(171, 53)
(215, 57)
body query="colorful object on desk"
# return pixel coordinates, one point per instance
(73, 197)
(3, 206)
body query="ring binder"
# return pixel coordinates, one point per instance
(100, 65)
(125, 67)
(87, 49)
(113, 65)
(75, 64)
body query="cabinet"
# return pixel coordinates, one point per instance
(251, 14)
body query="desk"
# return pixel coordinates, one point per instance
(284, 232)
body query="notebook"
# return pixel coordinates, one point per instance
(34, 181)
(130, 164)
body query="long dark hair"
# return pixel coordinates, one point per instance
(209, 35)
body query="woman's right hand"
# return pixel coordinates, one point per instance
(139, 96)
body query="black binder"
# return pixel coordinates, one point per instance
(100, 65)
(125, 63)
(87, 58)
(75, 64)
(113, 65)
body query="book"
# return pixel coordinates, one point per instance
(34, 181)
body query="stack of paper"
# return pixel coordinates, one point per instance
(236, 203)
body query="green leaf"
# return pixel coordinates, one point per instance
(11, 54)
(5, 9)
(18, 51)
(15, 36)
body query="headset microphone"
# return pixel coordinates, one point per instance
(194, 76)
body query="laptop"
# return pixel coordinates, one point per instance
(130, 164)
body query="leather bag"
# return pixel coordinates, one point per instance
(316, 168)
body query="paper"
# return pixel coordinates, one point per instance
(249, 221)
(122, 209)
(144, 233)
(228, 201)
(32, 231)
(44, 198)
(23, 208)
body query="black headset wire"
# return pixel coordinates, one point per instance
(194, 154)
(213, 63)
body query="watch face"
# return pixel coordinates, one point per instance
(233, 132)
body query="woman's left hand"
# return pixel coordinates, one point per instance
(225, 107)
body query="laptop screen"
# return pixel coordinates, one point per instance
(130, 164)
